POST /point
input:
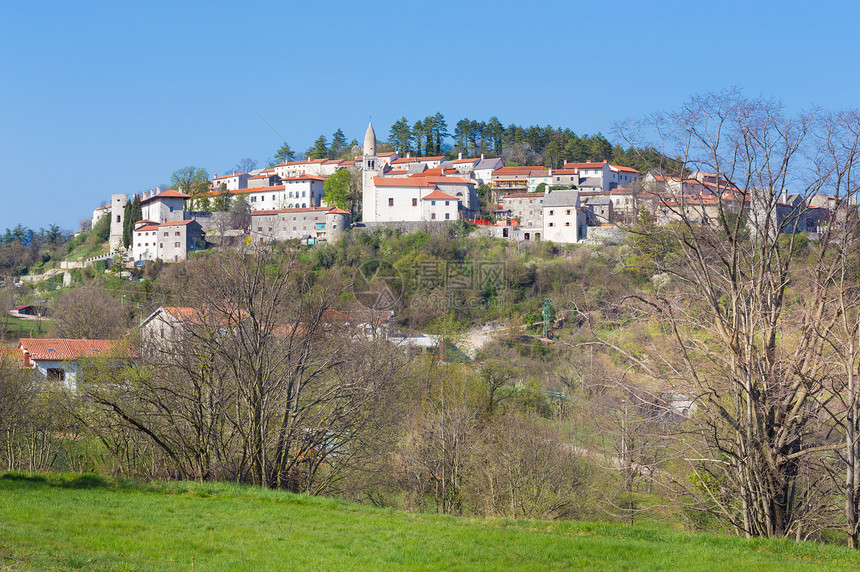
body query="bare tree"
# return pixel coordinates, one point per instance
(745, 343)
(89, 312)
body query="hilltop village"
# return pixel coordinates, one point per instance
(580, 202)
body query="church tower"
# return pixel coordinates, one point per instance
(369, 168)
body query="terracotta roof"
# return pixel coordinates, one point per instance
(448, 181)
(295, 210)
(472, 160)
(434, 172)
(402, 182)
(625, 169)
(227, 176)
(337, 211)
(168, 194)
(527, 170)
(177, 223)
(437, 158)
(147, 228)
(586, 165)
(397, 172)
(64, 349)
(146, 220)
(179, 312)
(524, 196)
(438, 195)
(333, 161)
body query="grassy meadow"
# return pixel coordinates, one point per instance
(74, 522)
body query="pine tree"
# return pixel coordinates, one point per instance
(338, 144)
(319, 149)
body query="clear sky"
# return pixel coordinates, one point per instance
(111, 97)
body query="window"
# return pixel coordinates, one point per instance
(432, 216)
(414, 202)
(432, 203)
(166, 234)
(253, 199)
(177, 233)
(567, 223)
(259, 229)
(176, 244)
(552, 224)
(447, 216)
(551, 212)
(447, 203)
(160, 245)
(391, 201)
(117, 218)
(567, 212)
(138, 244)
(55, 374)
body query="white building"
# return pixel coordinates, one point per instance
(165, 206)
(603, 176)
(60, 359)
(170, 241)
(232, 182)
(564, 219)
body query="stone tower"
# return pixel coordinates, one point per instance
(369, 169)
(117, 214)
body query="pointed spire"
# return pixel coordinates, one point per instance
(370, 141)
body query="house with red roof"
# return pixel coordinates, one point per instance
(168, 242)
(603, 176)
(163, 206)
(230, 182)
(57, 359)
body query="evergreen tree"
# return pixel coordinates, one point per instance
(338, 144)
(285, 154)
(319, 149)
(400, 136)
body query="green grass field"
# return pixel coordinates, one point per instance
(73, 522)
(19, 328)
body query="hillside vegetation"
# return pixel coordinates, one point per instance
(82, 522)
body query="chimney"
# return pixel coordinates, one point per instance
(407, 154)
(482, 156)
(215, 176)
(459, 156)
(234, 171)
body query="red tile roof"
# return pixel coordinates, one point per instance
(407, 182)
(177, 223)
(448, 180)
(227, 176)
(65, 349)
(524, 196)
(168, 194)
(527, 170)
(472, 160)
(298, 210)
(147, 228)
(438, 195)
(434, 172)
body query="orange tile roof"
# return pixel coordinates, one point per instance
(472, 160)
(147, 228)
(177, 223)
(168, 194)
(66, 349)
(337, 211)
(447, 180)
(434, 172)
(527, 170)
(294, 210)
(524, 196)
(400, 182)
(227, 176)
(438, 195)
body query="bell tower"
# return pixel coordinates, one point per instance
(369, 169)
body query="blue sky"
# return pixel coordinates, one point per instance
(111, 97)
